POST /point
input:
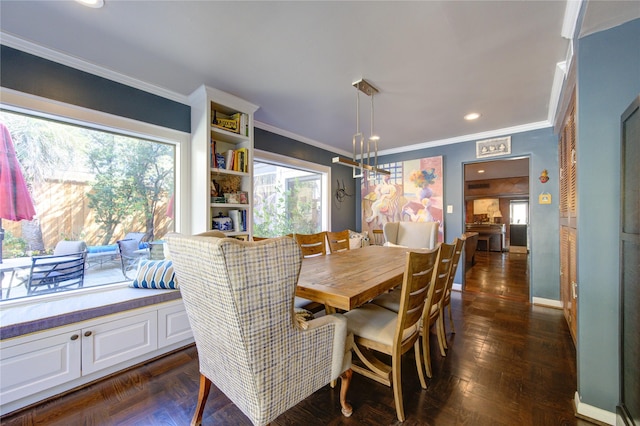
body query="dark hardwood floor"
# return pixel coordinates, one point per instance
(509, 363)
(502, 274)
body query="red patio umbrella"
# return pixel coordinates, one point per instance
(15, 199)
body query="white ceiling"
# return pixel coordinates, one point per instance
(433, 61)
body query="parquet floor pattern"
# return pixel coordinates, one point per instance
(509, 363)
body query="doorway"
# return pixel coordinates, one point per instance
(496, 195)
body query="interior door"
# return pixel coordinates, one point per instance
(629, 409)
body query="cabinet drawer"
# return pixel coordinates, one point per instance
(111, 343)
(173, 325)
(31, 367)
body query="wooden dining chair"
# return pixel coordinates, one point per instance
(338, 241)
(446, 301)
(433, 304)
(391, 301)
(312, 244)
(379, 330)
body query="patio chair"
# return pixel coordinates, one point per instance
(67, 247)
(130, 253)
(239, 300)
(56, 273)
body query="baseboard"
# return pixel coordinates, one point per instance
(456, 287)
(590, 412)
(541, 301)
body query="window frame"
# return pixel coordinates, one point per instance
(296, 163)
(37, 106)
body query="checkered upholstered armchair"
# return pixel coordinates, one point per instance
(239, 299)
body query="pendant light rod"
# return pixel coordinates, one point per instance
(358, 138)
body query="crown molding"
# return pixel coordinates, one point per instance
(471, 137)
(570, 21)
(82, 65)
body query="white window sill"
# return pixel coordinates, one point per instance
(29, 315)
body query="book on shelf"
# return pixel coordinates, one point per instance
(236, 160)
(229, 158)
(236, 123)
(220, 161)
(214, 160)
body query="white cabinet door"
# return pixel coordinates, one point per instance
(173, 325)
(111, 343)
(31, 367)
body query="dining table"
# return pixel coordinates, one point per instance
(347, 279)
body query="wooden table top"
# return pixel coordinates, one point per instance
(348, 279)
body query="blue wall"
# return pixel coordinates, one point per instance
(608, 81)
(541, 147)
(31, 74)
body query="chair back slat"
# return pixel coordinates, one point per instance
(312, 244)
(338, 241)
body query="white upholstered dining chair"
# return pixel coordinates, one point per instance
(411, 234)
(239, 297)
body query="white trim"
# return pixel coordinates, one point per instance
(541, 301)
(456, 287)
(325, 171)
(571, 12)
(556, 89)
(82, 65)
(591, 412)
(467, 138)
(305, 140)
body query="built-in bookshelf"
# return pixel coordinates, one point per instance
(221, 161)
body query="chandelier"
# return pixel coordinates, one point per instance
(365, 160)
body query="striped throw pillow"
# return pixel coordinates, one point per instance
(156, 274)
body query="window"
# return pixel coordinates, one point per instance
(519, 212)
(89, 182)
(290, 196)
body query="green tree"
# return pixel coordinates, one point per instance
(112, 195)
(151, 171)
(132, 176)
(287, 211)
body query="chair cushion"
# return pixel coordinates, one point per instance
(375, 323)
(390, 300)
(155, 274)
(357, 240)
(128, 247)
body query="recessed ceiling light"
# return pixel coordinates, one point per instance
(472, 116)
(481, 171)
(96, 4)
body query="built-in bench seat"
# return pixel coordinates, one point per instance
(46, 313)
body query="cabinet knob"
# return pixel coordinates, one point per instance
(87, 333)
(74, 337)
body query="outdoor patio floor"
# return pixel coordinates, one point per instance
(96, 274)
